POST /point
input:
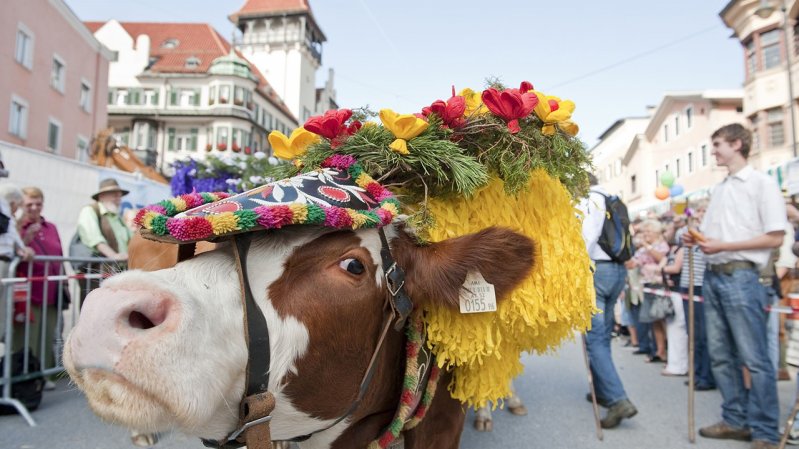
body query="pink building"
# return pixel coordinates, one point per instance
(53, 78)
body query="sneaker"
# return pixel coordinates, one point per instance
(724, 431)
(760, 444)
(793, 437)
(49, 385)
(618, 411)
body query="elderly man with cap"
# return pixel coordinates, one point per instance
(100, 225)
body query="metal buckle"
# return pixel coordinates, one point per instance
(390, 283)
(246, 426)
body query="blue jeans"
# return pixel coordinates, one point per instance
(773, 328)
(736, 333)
(646, 343)
(608, 282)
(702, 371)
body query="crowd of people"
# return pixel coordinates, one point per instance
(26, 233)
(739, 245)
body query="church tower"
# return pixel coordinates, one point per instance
(284, 42)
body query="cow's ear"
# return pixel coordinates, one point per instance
(435, 273)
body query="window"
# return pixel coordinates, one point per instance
(221, 138)
(58, 74)
(83, 149)
(170, 140)
(632, 184)
(150, 97)
(751, 57)
(192, 144)
(657, 178)
(238, 97)
(770, 46)
(689, 117)
(18, 117)
(677, 125)
(85, 95)
(123, 137)
(677, 168)
(665, 133)
(144, 134)
(617, 167)
(114, 56)
(776, 128)
(122, 98)
(224, 94)
(666, 168)
(53, 135)
(212, 95)
(306, 114)
(170, 43)
(266, 121)
(690, 162)
(192, 62)
(23, 51)
(755, 132)
(704, 155)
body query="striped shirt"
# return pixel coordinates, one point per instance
(699, 267)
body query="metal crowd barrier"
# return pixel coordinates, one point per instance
(16, 301)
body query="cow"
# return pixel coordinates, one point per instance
(163, 350)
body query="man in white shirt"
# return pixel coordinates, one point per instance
(744, 221)
(609, 278)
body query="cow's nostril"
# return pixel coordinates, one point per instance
(139, 320)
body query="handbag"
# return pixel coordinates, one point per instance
(78, 250)
(655, 307)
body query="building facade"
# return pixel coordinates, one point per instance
(632, 154)
(284, 42)
(768, 103)
(53, 78)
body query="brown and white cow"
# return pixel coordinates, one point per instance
(165, 350)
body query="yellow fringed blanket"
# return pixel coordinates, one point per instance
(555, 301)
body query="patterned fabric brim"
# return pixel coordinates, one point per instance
(338, 195)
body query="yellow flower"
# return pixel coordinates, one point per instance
(289, 148)
(554, 111)
(474, 102)
(404, 127)
(179, 203)
(299, 213)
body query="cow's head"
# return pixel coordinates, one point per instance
(166, 349)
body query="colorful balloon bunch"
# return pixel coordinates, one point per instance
(667, 187)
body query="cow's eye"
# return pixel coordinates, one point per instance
(354, 266)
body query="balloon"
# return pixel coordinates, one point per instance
(676, 190)
(662, 193)
(667, 178)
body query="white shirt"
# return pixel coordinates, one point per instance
(745, 205)
(10, 238)
(593, 209)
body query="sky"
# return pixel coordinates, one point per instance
(613, 58)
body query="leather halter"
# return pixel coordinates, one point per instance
(257, 405)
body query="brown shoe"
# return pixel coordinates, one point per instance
(760, 444)
(724, 431)
(783, 374)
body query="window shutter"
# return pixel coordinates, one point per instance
(193, 139)
(173, 97)
(155, 98)
(196, 98)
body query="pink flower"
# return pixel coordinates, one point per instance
(190, 228)
(272, 217)
(337, 217)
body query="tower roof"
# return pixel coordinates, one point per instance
(254, 9)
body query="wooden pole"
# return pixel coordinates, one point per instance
(691, 347)
(599, 434)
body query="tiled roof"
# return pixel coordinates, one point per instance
(171, 44)
(270, 7)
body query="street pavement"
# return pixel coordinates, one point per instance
(553, 387)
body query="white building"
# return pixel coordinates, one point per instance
(633, 153)
(284, 42)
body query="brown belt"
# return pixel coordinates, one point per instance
(730, 267)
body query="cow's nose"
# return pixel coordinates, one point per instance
(112, 320)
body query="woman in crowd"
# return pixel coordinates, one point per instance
(42, 236)
(649, 259)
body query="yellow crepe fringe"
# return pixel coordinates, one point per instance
(549, 306)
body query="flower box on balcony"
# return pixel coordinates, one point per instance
(221, 146)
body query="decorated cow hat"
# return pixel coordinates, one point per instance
(339, 194)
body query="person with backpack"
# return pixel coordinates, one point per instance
(606, 232)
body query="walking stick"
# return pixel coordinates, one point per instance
(691, 348)
(593, 391)
(789, 425)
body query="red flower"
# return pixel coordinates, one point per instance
(511, 104)
(332, 126)
(247, 150)
(235, 147)
(221, 146)
(208, 147)
(451, 112)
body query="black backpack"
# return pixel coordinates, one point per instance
(616, 239)
(29, 392)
